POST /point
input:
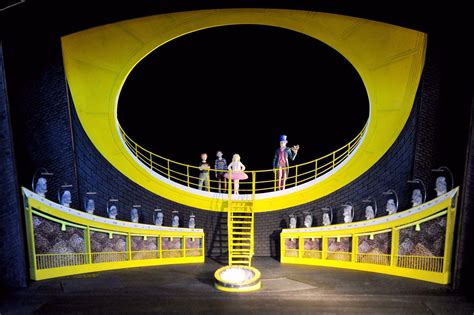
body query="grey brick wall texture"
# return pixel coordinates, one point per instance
(428, 121)
(12, 255)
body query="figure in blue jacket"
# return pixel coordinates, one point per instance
(281, 161)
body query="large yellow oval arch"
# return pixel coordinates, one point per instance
(388, 58)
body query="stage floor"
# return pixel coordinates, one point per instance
(189, 289)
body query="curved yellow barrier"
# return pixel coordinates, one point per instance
(388, 58)
(415, 243)
(63, 241)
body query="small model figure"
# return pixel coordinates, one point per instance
(416, 197)
(134, 215)
(391, 207)
(66, 198)
(441, 186)
(192, 221)
(112, 211)
(203, 172)
(369, 212)
(347, 214)
(220, 165)
(308, 220)
(238, 174)
(281, 161)
(175, 220)
(159, 219)
(326, 219)
(90, 206)
(41, 186)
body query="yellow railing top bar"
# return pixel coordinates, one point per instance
(132, 145)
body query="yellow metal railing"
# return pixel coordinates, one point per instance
(170, 247)
(260, 181)
(377, 247)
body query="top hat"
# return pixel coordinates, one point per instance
(283, 138)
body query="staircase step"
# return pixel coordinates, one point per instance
(239, 256)
(240, 263)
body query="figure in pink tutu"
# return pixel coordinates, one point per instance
(238, 174)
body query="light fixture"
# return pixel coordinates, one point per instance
(110, 235)
(418, 227)
(145, 237)
(338, 239)
(63, 227)
(371, 236)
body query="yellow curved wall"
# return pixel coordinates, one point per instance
(388, 58)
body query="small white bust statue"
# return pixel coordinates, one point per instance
(112, 212)
(90, 206)
(369, 212)
(41, 186)
(159, 219)
(134, 215)
(391, 207)
(416, 197)
(326, 219)
(308, 220)
(175, 221)
(347, 214)
(292, 222)
(66, 198)
(441, 186)
(192, 221)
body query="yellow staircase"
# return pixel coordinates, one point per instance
(240, 224)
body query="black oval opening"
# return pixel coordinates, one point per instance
(236, 89)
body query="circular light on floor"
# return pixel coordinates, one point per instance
(237, 279)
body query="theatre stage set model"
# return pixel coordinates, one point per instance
(388, 58)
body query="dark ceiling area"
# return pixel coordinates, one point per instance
(63, 17)
(236, 89)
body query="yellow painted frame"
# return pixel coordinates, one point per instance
(443, 205)
(388, 58)
(46, 210)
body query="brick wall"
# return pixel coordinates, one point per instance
(12, 250)
(427, 129)
(39, 111)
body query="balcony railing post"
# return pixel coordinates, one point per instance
(275, 179)
(129, 246)
(168, 168)
(87, 241)
(315, 169)
(187, 174)
(254, 179)
(333, 159)
(151, 161)
(296, 175)
(230, 186)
